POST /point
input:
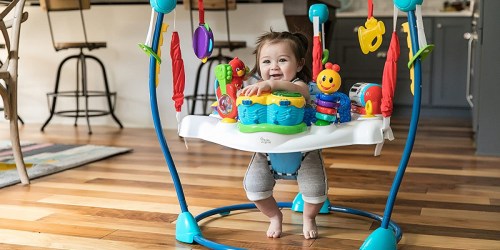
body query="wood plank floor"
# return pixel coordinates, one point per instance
(449, 199)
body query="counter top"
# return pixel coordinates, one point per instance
(119, 2)
(430, 13)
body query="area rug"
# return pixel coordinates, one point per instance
(42, 159)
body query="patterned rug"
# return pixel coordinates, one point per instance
(46, 158)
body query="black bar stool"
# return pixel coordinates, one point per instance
(81, 91)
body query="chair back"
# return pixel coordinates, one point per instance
(11, 18)
(211, 4)
(64, 5)
(67, 5)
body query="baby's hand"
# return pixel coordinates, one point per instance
(257, 88)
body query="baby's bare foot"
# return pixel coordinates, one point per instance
(275, 226)
(310, 229)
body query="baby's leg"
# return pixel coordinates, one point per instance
(309, 217)
(259, 183)
(269, 207)
(314, 188)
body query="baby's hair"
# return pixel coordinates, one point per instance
(297, 41)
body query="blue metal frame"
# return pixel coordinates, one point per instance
(194, 232)
(227, 209)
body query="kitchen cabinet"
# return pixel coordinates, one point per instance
(449, 62)
(443, 72)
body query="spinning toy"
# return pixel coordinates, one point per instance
(366, 94)
(229, 79)
(355, 131)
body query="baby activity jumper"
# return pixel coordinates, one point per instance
(281, 123)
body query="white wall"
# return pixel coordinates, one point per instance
(123, 27)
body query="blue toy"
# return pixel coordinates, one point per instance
(385, 237)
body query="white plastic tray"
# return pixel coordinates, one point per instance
(361, 131)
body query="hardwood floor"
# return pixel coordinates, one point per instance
(449, 198)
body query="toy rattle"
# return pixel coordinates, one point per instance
(203, 38)
(370, 36)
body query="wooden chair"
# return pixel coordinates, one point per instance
(11, 29)
(2, 46)
(219, 44)
(81, 90)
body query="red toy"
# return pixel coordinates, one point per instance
(230, 79)
(361, 93)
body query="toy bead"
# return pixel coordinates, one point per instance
(326, 104)
(328, 111)
(163, 6)
(320, 10)
(407, 5)
(325, 97)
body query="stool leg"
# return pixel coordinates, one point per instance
(20, 120)
(85, 93)
(196, 85)
(56, 90)
(207, 86)
(108, 93)
(79, 66)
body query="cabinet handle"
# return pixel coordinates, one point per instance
(439, 25)
(355, 30)
(382, 54)
(468, 94)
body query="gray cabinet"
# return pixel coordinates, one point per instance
(449, 62)
(443, 72)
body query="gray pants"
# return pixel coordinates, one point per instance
(260, 180)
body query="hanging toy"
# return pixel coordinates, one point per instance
(203, 38)
(389, 78)
(370, 36)
(157, 6)
(178, 73)
(406, 29)
(389, 75)
(425, 49)
(318, 15)
(162, 7)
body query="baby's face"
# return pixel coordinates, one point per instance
(277, 62)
